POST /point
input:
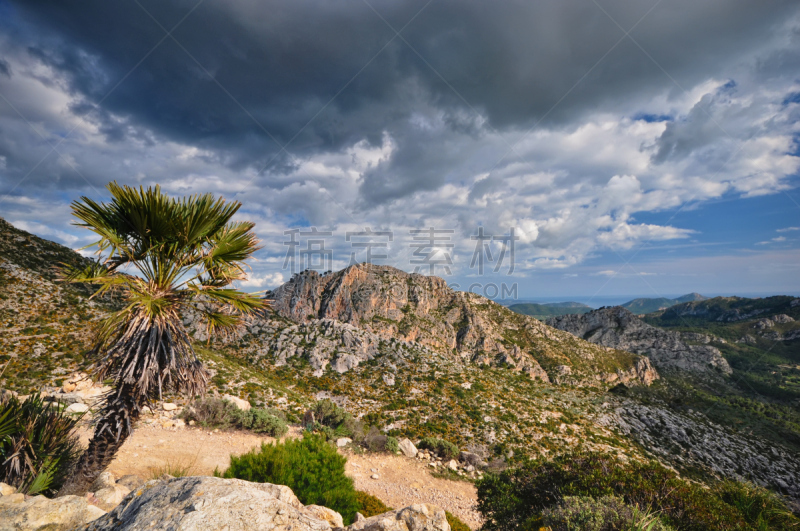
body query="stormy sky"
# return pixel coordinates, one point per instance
(646, 147)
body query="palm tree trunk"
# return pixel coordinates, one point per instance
(114, 425)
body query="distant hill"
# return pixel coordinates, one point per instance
(645, 305)
(551, 309)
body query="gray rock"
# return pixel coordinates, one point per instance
(620, 329)
(343, 441)
(418, 517)
(408, 448)
(210, 504)
(104, 481)
(43, 514)
(130, 481)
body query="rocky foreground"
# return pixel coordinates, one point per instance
(202, 504)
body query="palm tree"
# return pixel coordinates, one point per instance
(161, 256)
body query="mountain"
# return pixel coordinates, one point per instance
(414, 358)
(644, 305)
(551, 309)
(620, 329)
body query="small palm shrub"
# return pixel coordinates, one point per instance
(311, 467)
(518, 498)
(38, 445)
(442, 448)
(369, 505)
(608, 513)
(223, 414)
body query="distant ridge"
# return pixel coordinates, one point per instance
(550, 309)
(646, 305)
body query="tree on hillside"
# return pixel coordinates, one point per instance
(160, 255)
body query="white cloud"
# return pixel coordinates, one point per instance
(268, 280)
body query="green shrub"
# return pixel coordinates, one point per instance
(213, 413)
(516, 498)
(263, 421)
(455, 522)
(608, 513)
(369, 505)
(760, 508)
(329, 414)
(38, 445)
(442, 448)
(223, 414)
(309, 466)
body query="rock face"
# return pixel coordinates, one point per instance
(418, 517)
(42, 514)
(343, 319)
(692, 440)
(620, 329)
(207, 503)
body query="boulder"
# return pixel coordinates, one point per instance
(169, 406)
(208, 503)
(39, 513)
(77, 408)
(244, 405)
(343, 441)
(110, 497)
(452, 465)
(472, 459)
(323, 513)
(418, 517)
(104, 481)
(408, 448)
(6, 490)
(132, 481)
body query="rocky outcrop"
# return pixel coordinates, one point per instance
(37, 513)
(692, 440)
(211, 504)
(343, 319)
(418, 517)
(620, 329)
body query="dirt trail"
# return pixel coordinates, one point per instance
(401, 481)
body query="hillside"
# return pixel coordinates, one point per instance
(405, 353)
(649, 305)
(552, 309)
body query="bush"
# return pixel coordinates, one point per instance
(213, 413)
(309, 466)
(442, 448)
(609, 513)
(38, 445)
(222, 414)
(517, 498)
(760, 508)
(329, 414)
(263, 421)
(455, 522)
(375, 441)
(369, 505)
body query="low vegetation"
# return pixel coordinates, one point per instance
(311, 467)
(223, 414)
(559, 490)
(442, 448)
(38, 445)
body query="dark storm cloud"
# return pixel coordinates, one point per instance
(242, 78)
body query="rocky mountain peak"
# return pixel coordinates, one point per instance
(388, 304)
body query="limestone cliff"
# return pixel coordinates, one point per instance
(618, 328)
(381, 305)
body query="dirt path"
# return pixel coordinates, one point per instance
(401, 482)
